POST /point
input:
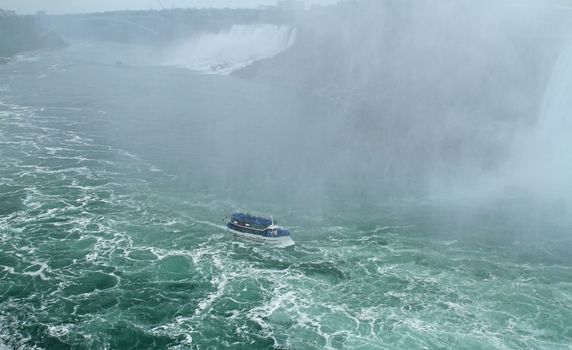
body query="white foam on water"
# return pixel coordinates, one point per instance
(220, 282)
(74, 138)
(28, 57)
(261, 313)
(40, 272)
(181, 326)
(59, 331)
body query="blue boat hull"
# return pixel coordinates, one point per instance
(284, 240)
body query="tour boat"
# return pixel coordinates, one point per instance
(258, 228)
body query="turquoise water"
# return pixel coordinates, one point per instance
(114, 180)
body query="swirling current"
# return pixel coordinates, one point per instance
(107, 242)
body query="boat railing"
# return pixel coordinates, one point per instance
(248, 227)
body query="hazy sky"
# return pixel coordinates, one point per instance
(74, 6)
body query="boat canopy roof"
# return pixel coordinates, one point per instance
(250, 219)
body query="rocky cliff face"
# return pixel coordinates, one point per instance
(22, 33)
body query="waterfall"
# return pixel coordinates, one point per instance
(554, 130)
(555, 122)
(232, 49)
(542, 161)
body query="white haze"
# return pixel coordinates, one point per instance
(436, 99)
(89, 6)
